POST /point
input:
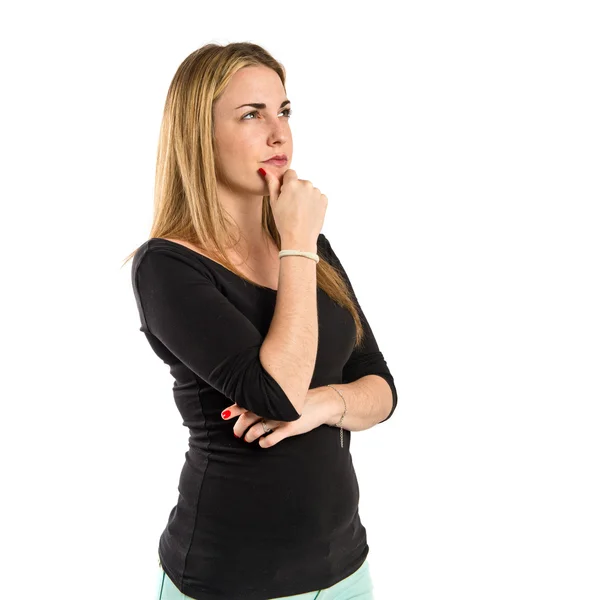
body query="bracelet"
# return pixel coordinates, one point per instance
(312, 255)
(345, 409)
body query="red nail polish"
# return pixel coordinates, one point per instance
(262, 171)
(226, 414)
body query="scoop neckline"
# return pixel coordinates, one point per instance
(257, 285)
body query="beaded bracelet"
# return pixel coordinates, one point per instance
(345, 409)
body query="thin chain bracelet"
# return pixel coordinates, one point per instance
(345, 409)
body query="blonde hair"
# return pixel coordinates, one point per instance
(186, 205)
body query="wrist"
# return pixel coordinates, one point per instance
(298, 244)
(335, 405)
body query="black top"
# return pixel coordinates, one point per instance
(250, 523)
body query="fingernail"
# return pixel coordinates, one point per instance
(226, 414)
(262, 171)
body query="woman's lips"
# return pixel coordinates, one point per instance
(275, 162)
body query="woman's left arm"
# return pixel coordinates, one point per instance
(367, 383)
(368, 402)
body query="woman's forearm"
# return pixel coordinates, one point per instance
(289, 350)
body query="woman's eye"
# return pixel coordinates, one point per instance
(255, 112)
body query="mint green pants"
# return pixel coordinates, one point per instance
(357, 586)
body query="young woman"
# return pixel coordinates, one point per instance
(273, 359)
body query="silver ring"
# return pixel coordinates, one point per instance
(266, 428)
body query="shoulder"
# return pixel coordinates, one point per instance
(160, 260)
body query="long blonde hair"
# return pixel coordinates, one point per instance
(186, 205)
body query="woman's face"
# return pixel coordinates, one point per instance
(245, 135)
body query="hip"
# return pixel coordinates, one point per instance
(357, 586)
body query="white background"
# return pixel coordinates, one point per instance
(458, 145)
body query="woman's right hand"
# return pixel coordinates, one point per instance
(298, 207)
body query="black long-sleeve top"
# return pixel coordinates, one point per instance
(250, 523)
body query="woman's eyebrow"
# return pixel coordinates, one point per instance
(260, 105)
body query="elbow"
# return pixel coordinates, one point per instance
(278, 404)
(244, 380)
(387, 377)
(258, 391)
(288, 388)
(285, 399)
(268, 401)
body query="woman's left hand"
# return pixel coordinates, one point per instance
(314, 414)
